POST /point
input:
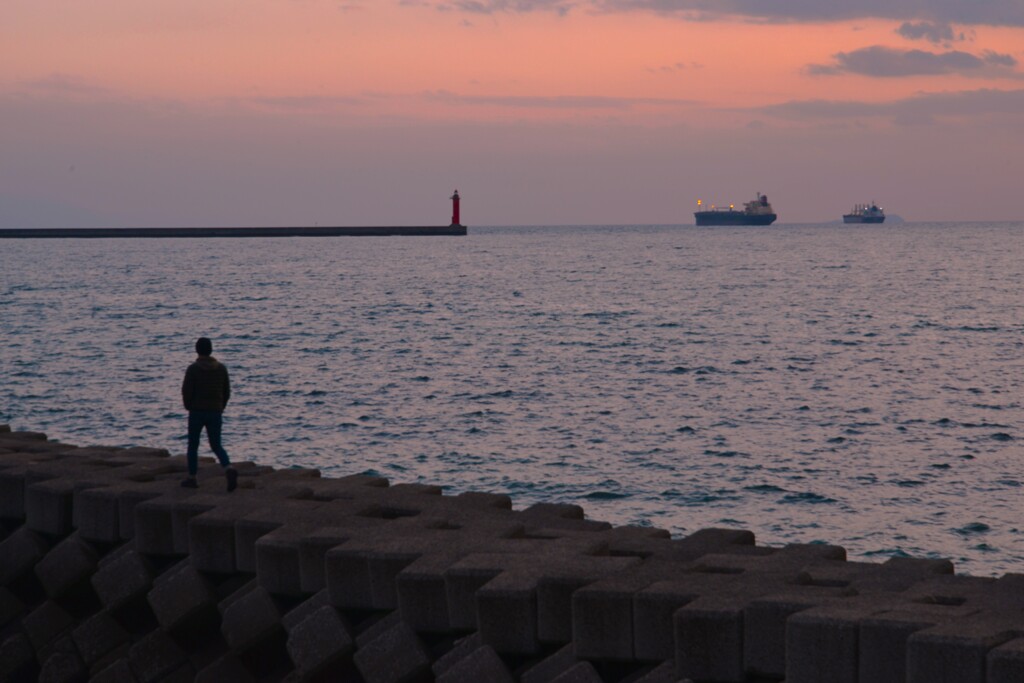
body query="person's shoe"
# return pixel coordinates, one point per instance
(190, 483)
(232, 474)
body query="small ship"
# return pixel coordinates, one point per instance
(757, 212)
(865, 213)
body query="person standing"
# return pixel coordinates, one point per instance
(205, 392)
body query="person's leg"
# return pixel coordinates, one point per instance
(214, 424)
(213, 430)
(195, 429)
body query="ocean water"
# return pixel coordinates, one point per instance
(857, 385)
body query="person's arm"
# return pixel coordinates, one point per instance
(227, 387)
(188, 388)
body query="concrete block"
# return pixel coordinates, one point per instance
(280, 553)
(557, 585)
(507, 614)
(460, 649)
(349, 486)
(362, 573)
(895, 575)
(63, 667)
(98, 636)
(45, 623)
(68, 564)
(314, 546)
(181, 597)
(704, 542)
(365, 578)
(483, 664)
(603, 626)
(421, 592)
(24, 436)
(251, 620)
(603, 617)
(394, 656)
(654, 607)
(482, 499)
(501, 594)
(709, 638)
(48, 505)
(822, 643)
(235, 591)
(557, 510)
(95, 514)
(882, 639)
(305, 608)
(12, 493)
(976, 591)
(957, 652)
(128, 498)
(227, 668)
(764, 626)
(60, 645)
(154, 522)
(582, 672)
(123, 579)
(318, 641)
(636, 541)
(20, 552)
(918, 567)
(34, 443)
(376, 626)
(551, 667)
(17, 660)
(277, 562)
(1006, 662)
(221, 537)
(96, 505)
(157, 657)
(145, 452)
(30, 464)
(663, 673)
(11, 608)
(97, 511)
(211, 533)
(117, 672)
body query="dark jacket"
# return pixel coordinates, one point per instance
(206, 385)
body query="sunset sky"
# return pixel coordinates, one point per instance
(295, 112)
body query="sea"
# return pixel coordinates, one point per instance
(853, 385)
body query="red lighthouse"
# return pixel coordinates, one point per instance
(455, 208)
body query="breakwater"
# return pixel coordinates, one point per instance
(309, 231)
(110, 571)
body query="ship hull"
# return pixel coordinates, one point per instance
(863, 219)
(715, 218)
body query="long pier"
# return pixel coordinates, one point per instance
(110, 571)
(295, 231)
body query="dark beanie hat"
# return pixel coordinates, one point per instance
(204, 347)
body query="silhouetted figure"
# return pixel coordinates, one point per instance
(205, 392)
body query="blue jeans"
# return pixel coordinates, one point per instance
(212, 420)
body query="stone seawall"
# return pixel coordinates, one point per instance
(110, 571)
(191, 233)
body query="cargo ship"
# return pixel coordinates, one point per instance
(757, 212)
(865, 213)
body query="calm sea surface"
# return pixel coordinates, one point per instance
(857, 385)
